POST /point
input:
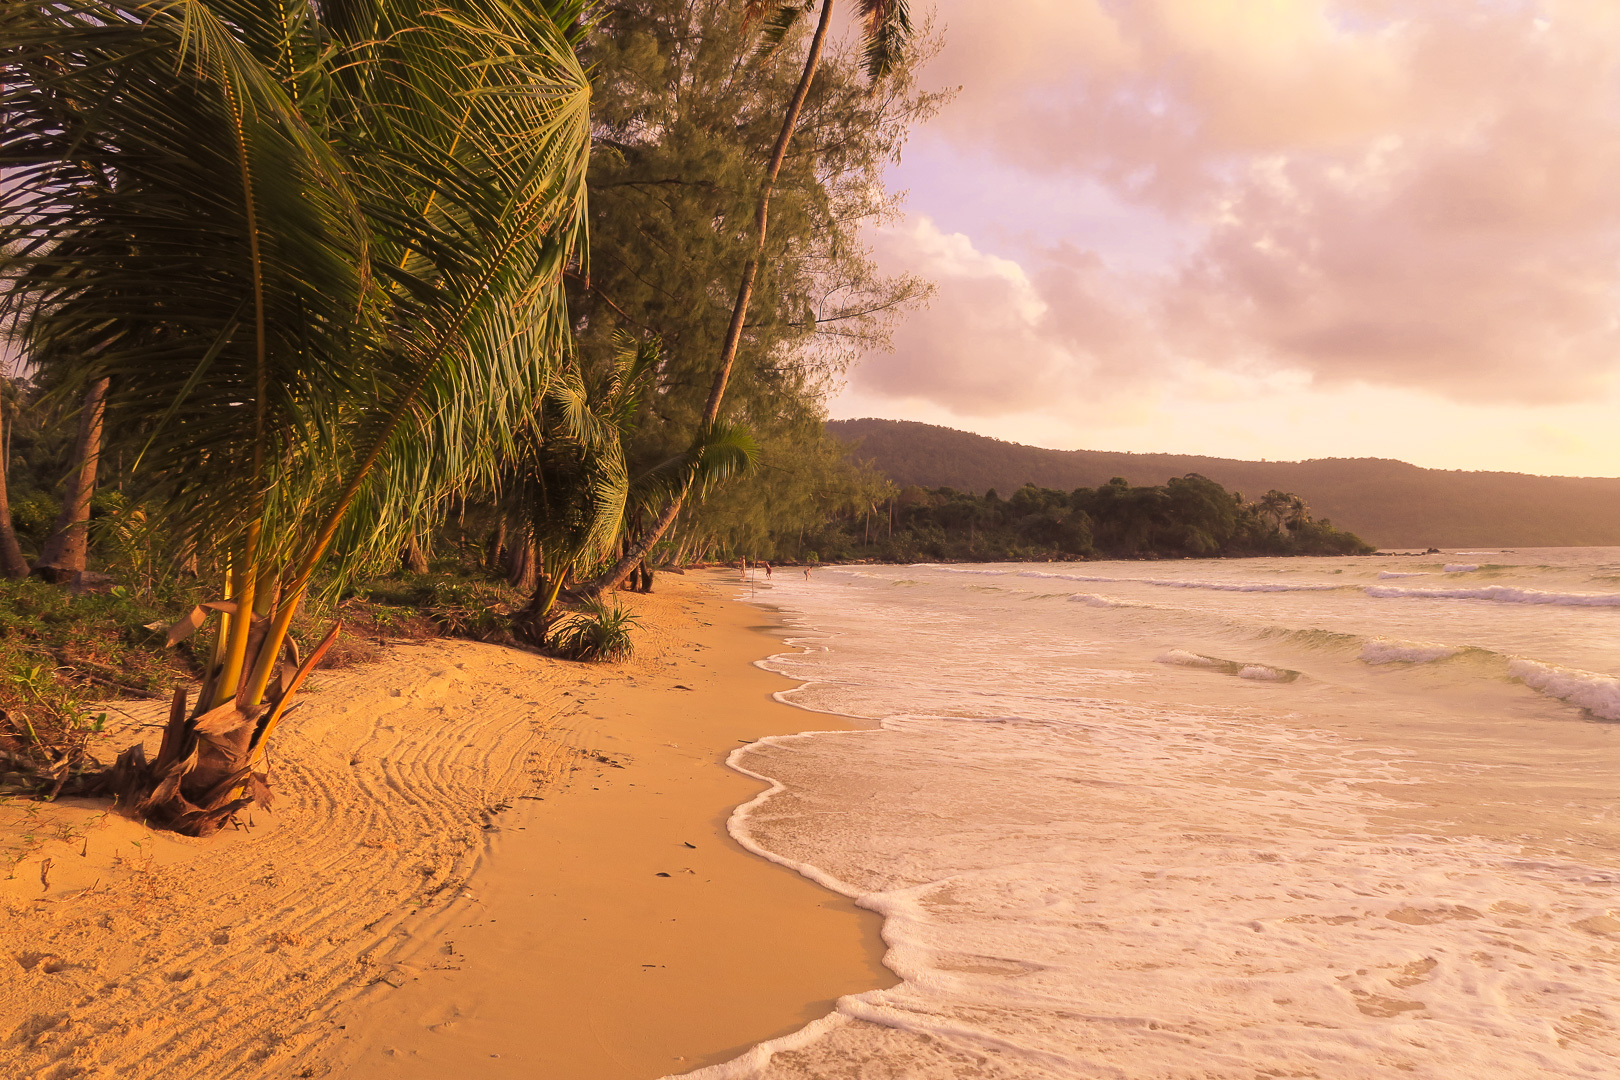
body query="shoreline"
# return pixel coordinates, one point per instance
(615, 928)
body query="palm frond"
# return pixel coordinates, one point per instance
(722, 453)
(885, 29)
(776, 21)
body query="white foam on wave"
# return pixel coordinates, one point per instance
(1183, 658)
(1461, 568)
(1164, 583)
(1381, 651)
(1086, 887)
(1143, 893)
(1256, 672)
(1597, 694)
(1093, 600)
(1403, 573)
(1502, 594)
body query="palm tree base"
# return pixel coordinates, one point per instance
(203, 774)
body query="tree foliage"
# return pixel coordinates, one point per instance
(1188, 516)
(685, 116)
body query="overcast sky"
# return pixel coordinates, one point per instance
(1268, 228)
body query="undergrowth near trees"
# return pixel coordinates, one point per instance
(65, 658)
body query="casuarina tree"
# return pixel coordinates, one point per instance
(885, 28)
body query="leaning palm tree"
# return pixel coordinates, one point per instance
(574, 484)
(886, 29)
(316, 251)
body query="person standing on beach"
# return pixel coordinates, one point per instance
(767, 567)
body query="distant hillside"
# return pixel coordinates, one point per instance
(1388, 503)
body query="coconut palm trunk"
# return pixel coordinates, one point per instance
(885, 28)
(65, 551)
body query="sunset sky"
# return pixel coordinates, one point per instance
(1267, 228)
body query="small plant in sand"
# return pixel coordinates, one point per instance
(597, 632)
(471, 609)
(44, 742)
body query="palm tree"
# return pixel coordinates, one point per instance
(63, 556)
(1276, 505)
(575, 484)
(886, 29)
(316, 252)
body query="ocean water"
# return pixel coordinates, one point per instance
(1333, 818)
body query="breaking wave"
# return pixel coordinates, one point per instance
(1597, 694)
(1259, 672)
(1093, 600)
(1380, 651)
(1502, 594)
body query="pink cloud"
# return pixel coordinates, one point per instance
(1423, 194)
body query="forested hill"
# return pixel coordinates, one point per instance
(1388, 503)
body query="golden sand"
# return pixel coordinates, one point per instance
(467, 859)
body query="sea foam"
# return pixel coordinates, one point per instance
(1502, 594)
(1165, 583)
(1098, 877)
(1380, 651)
(1597, 694)
(1257, 672)
(1093, 600)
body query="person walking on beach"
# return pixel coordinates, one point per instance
(807, 573)
(767, 567)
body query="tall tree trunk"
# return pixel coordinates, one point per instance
(524, 569)
(12, 563)
(63, 555)
(739, 310)
(497, 544)
(413, 557)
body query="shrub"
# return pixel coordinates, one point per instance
(45, 737)
(598, 632)
(471, 609)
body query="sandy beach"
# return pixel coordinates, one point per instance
(481, 862)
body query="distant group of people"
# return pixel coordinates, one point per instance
(762, 564)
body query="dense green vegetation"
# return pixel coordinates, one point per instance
(1389, 503)
(1189, 516)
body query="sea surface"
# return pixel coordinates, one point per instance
(1257, 818)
